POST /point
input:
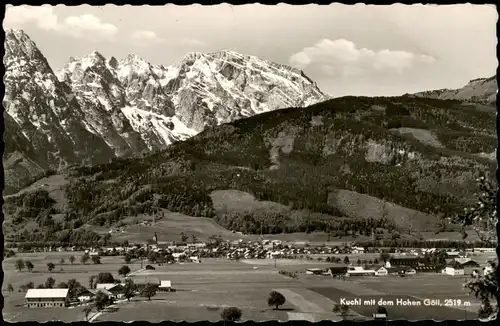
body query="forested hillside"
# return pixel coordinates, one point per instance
(415, 153)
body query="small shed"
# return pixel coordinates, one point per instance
(379, 316)
(165, 285)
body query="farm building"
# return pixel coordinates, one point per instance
(453, 269)
(337, 271)
(165, 286)
(484, 250)
(398, 270)
(379, 270)
(466, 262)
(359, 271)
(179, 256)
(379, 316)
(429, 268)
(358, 250)
(314, 271)
(85, 295)
(194, 259)
(116, 290)
(105, 286)
(453, 254)
(407, 261)
(47, 298)
(142, 281)
(105, 292)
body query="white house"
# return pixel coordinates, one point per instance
(380, 271)
(454, 270)
(85, 296)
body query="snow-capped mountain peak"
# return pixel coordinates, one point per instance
(131, 105)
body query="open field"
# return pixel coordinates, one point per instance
(203, 290)
(363, 206)
(389, 288)
(170, 227)
(53, 184)
(422, 135)
(240, 201)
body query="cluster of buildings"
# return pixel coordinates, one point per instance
(405, 266)
(43, 298)
(259, 249)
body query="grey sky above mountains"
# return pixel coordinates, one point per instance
(348, 50)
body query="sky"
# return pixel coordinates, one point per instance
(348, 50)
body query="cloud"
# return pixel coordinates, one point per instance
(87, 24)
(192, 42)
(343, 58)
(83, 26)
(147, 36)
(43, 17)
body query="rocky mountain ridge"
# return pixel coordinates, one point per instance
(97, 108)
(479, 90)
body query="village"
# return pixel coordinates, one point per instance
(344, 262)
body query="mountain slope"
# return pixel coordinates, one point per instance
(43, 120)
(301, 158)
(96, 109)
(480, 90)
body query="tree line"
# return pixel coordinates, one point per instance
(410, 243)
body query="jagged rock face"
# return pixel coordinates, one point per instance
(43, 110)
(481, 90)
(233, 86)
(96, 108)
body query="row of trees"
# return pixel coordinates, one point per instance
(75, 288)
(411, 243)
(21, 264)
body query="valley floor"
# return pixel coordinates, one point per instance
(203, 290)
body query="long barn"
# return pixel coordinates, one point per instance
(42, 298)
